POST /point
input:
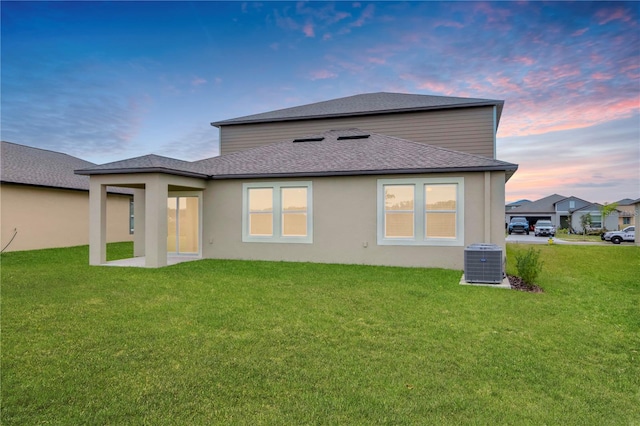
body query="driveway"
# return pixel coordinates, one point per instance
(532, 239)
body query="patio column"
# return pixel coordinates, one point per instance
(156, 193)
(97, 222)
(138, 222)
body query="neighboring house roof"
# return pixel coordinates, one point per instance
(589, 208)
(519, 202)
(365, 104)
(34, 166)
(26, 165)
(515, 204)
(543, 205)
(332, 153)
(626, 202)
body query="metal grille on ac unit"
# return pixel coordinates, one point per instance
(483, 263)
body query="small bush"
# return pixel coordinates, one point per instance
(529, 265)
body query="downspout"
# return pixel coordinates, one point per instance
(487, 207)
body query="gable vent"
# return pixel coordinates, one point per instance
(316, 139)
(347, 137)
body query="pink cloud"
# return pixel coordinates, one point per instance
(322, 75)
(435, 87)
(601, 76)
(197, 81)
(524, 60)
(308, 30)
(568, 113)
(607, 15)
(579, 32)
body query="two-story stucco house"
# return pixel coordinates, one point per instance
(380, 179)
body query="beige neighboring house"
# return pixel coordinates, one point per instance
(377, 179)
(43, 204)
(627, 214)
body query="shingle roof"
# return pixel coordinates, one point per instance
(147, 164)
(355, 155)
(329, 155)
(33, 166)
(626, 202)
(543, 205)
(365, 104)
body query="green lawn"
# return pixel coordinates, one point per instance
(249, 343)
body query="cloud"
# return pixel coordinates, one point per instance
(322, 74)
(617, 14)
(308, 30)
(579, 162)
(79, 114)
(325, 18)
(197, 81)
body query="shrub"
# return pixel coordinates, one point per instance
(529, 265)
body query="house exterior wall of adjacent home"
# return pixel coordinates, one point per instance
(461, 129)
(345, 223)
(49, 217)
(610, 223)
(626, 214)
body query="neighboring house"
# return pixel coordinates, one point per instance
(43, 204)
(563, 212)
(595, 210)
(516, 204)
(626, 208)
(411, 185)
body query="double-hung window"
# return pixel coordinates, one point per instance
(421, 211)
(279, 212)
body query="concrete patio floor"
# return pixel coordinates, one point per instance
(139, 262)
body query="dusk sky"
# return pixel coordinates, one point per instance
(106, 81)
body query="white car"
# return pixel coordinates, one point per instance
(616, 237)
(544, 227)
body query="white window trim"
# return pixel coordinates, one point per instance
(277, 236)
(419, 238)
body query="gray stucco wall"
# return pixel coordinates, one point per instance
(345, 223)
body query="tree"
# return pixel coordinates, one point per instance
(605, 211)
(586, 221)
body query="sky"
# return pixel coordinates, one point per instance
(106, 81)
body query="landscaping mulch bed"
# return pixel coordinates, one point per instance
(518, 284)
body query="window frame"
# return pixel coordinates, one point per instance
(277, 225)
(419, 226)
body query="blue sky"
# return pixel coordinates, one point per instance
(106, 81)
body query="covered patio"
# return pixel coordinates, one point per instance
(166, 200)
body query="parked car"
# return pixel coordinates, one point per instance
(544, 227)
(518, 224)
(616, 237)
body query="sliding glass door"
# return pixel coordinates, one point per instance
(183, 225)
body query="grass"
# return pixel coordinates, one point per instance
(234, 342)
(580, 237)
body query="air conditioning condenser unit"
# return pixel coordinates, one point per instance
(483, 263)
